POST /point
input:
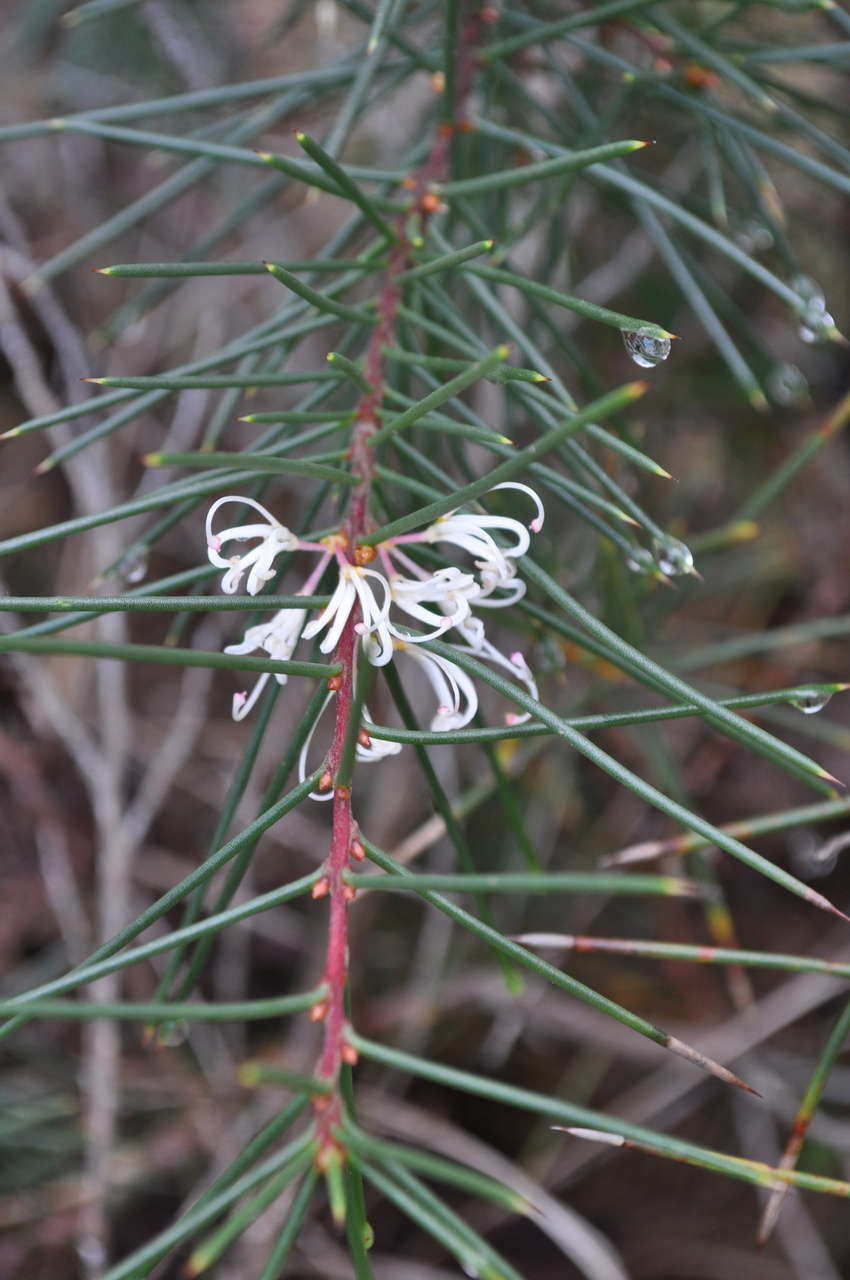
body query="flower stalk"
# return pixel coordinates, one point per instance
(336, 1047)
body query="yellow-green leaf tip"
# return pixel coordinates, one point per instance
(152, 459)
(198, 1262)
(249, 1074)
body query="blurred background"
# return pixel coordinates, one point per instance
(112, 778)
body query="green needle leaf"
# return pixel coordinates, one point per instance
(558, 979)
(448, 391)
(645, 790)
(540, 171)
(605, 405)
(264, 463)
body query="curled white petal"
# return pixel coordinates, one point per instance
(302, 757)
(352, 586)
(472, 630)
(450, 589)
(457, 699)
(536, 524)
(278, 636)
(272, 538)
(244, 703)
(472, 533)
(334, 615)
(378, 748)
(514, 587)
(515, 665)
(374, 625)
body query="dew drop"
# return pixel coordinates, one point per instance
(787, 384)
(646, 347)
(133, 567)
(672, 557)
(815, 320)
(808, 290)
(640, 560)
(816, 324)
(811, 702)
(754, 237)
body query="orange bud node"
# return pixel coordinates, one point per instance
(438, 82)
(319, 1011)
(349, 1054)
(409, 184)
(357, 851)
(334, 683)
(326, 781)
(446, 129)
(363, 738)
(364, 555)
(430, 202)
(698, 77)
(349, 892)
(465, 126)
(321, 888)
(343, 792)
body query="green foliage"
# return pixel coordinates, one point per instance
(461, 355)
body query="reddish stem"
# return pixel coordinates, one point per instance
(358, 522)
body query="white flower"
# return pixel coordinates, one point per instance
(278, 636)
(449, 588)
(438, 601)
(457, 700)
(471, 532)
(515, 664)
(353, 586)
(273, 538)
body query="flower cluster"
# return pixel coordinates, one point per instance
(400, 604)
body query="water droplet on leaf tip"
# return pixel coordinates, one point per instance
(811, 702)
(133, 567)
(815, 320)
(808, 290)
(646, 347)
(640, 560)
(754, 237)
(787, 384)
(816, 324)
(673, 557)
